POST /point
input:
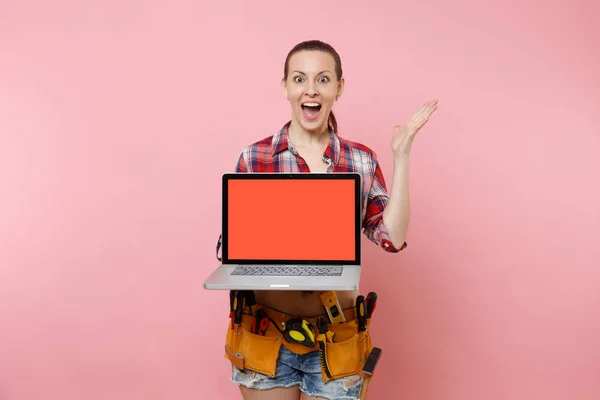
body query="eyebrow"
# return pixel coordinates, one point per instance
(300, 72)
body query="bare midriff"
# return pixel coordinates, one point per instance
(302, 303)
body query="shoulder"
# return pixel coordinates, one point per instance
(265, 148)
(257, 156)
(356, 148)
(260, 148)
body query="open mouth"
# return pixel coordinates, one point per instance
(311, 110)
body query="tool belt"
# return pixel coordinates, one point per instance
(254, 344)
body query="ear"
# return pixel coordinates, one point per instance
(340, 88)
(284, 88)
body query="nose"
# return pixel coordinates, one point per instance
(312, 89)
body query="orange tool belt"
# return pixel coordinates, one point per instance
(247, 348)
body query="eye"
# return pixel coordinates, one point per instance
(323, 79)
(298, 79)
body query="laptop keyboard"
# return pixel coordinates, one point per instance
(286, 270)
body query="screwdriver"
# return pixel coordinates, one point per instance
(361, 313)
(322, 325)
(231, 305)
(250, 299)
(238, 307)
(371, 303)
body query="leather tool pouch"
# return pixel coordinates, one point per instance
(346, 356)
(348, 353)
(248, 350)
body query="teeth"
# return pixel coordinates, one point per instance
(311, 104)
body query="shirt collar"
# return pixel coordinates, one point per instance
(281, 141)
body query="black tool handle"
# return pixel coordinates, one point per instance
(238, 307)
(322, 325)
(372, 361)
(250, 298)
(371, 303)
(259, 317)
(231, 300)
(361, 313)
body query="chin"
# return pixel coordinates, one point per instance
(317, 126)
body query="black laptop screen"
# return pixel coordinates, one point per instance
(299, 218)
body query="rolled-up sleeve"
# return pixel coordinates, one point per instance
(241, 165)
(377, 199)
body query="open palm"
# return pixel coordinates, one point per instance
(404, 134)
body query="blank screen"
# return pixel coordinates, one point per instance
(288, 219)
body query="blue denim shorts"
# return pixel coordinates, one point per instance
(303, 370)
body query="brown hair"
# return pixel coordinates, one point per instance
(317, 45)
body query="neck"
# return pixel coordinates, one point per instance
(304, 138)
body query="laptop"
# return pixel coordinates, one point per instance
(290, 231)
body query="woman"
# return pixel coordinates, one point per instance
(312, 83)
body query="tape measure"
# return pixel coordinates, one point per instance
(299, 331)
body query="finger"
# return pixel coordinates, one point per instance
(422, 121)
(422, 116)
(417, 125)
(419, 120)
(431, 110)
(429, 105)
(432, 105)
(423, 111)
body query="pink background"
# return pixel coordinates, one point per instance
(118, 118)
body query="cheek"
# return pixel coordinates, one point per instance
(329, 101)
(295, 93)
(329, 96)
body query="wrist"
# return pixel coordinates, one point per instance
(401, 159)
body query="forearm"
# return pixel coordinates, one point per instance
(397, 210)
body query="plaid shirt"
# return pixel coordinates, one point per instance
(277, 154)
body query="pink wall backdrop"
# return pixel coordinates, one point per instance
(118, 118)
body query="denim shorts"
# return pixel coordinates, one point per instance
(303, 370)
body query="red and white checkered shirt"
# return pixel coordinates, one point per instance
(277, 154)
